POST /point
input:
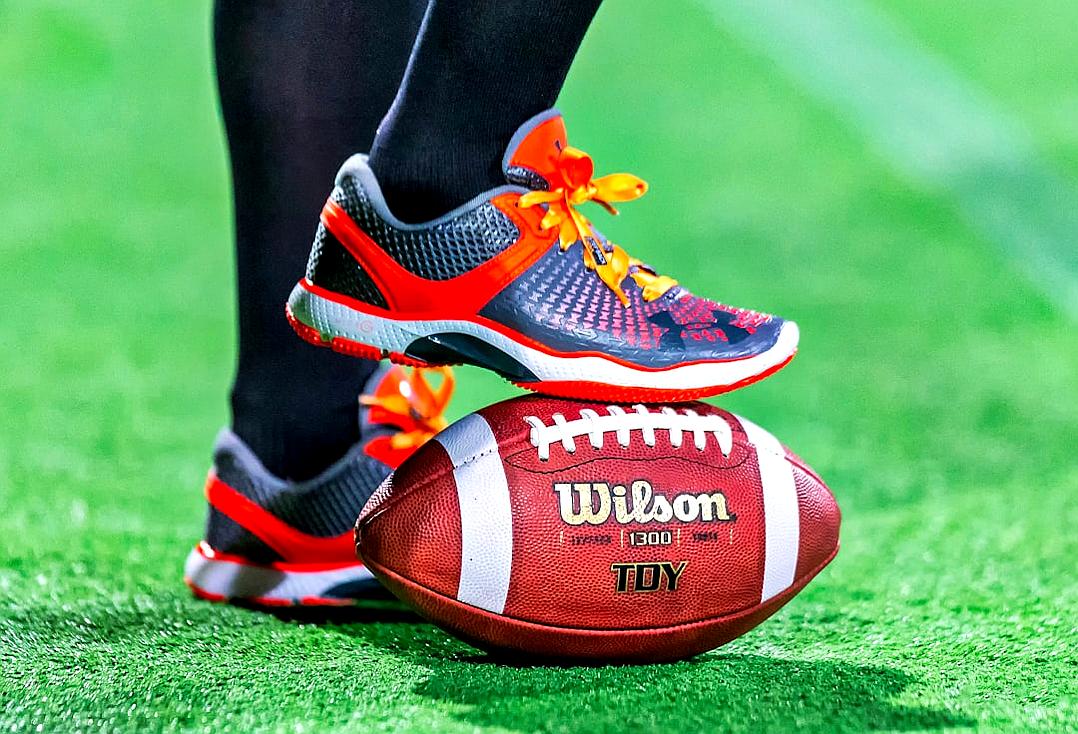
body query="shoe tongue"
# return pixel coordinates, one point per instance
(531, 157)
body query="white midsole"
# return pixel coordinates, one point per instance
(232, 580)
(333, 319)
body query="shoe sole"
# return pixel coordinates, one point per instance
(350, 330)
(284, 585)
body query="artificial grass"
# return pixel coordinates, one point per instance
(935, 392)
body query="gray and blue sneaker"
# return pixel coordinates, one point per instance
(271, 542)
(520, 282)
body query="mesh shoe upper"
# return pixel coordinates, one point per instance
(440, 251)
(324, 506)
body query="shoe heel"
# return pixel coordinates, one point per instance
(230, 579)
(299, 303)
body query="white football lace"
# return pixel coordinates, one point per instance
(621, 423)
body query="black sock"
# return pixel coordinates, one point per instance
(303, 85)
(479, 70)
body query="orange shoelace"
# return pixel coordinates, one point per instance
(609, 261)
(419, 405)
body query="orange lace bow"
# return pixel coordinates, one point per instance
(418, 405)
(611, 263)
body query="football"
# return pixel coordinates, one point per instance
(566, 529)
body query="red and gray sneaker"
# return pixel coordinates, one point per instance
(271, 542)
(520, 282)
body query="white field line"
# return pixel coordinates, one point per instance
(931, 125)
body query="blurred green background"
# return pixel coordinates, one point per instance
(899, 176)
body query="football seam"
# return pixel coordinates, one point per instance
(523, 439)
(585, 462)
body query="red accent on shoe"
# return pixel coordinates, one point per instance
(293, 545)
(382, 450)
(541, 148)
(210, 553)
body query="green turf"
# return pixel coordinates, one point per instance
(936, 392)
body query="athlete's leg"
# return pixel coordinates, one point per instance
(302, 85)
(479, 69)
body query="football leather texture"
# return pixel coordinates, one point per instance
(566, 529)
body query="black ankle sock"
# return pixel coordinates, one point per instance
(303, 85)
(479, 70)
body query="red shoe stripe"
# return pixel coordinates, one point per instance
(208, 552)
(588, 390)
(293, 545)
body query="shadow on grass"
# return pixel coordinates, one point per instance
(378, 608)
(731, 693)
(713, 692)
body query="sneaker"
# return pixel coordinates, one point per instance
(272, 542)
(520, 282)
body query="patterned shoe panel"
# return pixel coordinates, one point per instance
(560, 304)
